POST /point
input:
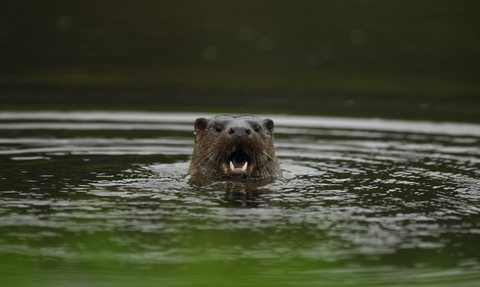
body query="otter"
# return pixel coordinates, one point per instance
(234, 146)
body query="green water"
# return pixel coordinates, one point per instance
(103, 199)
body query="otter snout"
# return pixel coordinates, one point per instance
(239, 131)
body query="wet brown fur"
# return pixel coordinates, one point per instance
(212, 148)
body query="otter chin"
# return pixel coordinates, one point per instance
(234, 146)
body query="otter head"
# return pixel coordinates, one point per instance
(234, 146)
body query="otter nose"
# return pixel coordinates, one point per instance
(239, 131)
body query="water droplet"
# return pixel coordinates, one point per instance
(358, 37)
(312, 60)
(266, 44)
(326, 52)
(210, 53)
(246, 33)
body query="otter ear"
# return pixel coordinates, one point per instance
(269, 125)
(201, 124)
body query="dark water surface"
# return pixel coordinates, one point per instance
(102, 199)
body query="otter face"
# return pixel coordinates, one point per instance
(234, 146)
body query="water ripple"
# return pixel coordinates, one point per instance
(364, 194)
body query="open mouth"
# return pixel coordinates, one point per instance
(238, 162)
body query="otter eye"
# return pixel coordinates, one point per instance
(219, 128)
(256, 128)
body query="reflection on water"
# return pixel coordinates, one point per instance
(104, 197)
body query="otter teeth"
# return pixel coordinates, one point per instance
(244, 167)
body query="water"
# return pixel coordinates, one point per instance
(102, 199)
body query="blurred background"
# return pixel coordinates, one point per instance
(397, 58)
